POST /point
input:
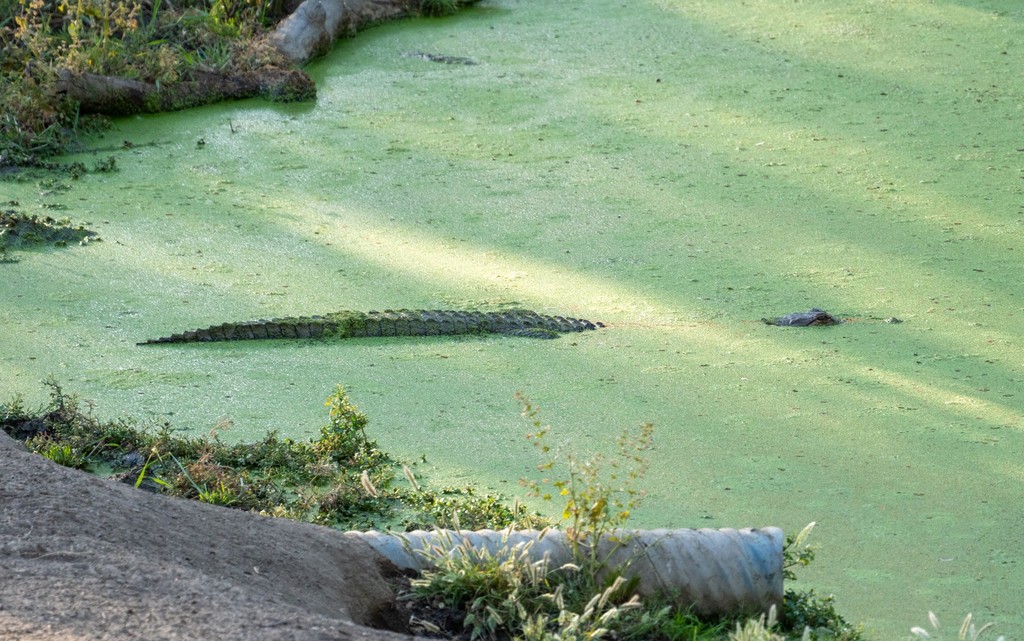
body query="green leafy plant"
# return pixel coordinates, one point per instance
(797, 552)
(816, 617)
(344, 439)
(234, 18)
(64, 454)
(141, 477)
(100, 34)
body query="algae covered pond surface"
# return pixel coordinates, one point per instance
(677, 170)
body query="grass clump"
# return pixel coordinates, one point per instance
(508, 595)
(968, 631)
(489, 590)
(341, 478)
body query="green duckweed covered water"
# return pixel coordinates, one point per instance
(678, 170)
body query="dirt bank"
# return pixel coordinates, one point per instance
(87, 558)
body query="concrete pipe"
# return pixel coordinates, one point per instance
(716, 572)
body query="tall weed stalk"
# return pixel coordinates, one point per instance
(598, 493)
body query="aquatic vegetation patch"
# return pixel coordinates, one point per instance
(19, 230)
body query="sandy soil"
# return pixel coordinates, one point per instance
(87, 558)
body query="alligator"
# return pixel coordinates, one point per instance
(390, 322)
(438, 57)
(812, 317)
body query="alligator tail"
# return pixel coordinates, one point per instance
(290, 327)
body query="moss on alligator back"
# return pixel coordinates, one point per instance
(401, 322)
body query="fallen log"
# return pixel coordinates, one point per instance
(312, 28)
(117, 96)
(308, 32)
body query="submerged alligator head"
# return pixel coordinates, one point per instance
(400, 322)
(812, 317)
